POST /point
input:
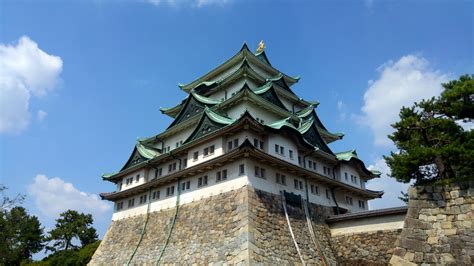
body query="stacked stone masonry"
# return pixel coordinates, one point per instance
(241, 227)
(438, 226)
(367, 248)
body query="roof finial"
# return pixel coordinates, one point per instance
(261, 46)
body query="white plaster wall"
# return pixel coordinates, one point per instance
(236, 111)
(232, 88)
(344, 168)
(142, 180)
(386, 222)
(341, 201)
(180, 136)
(234, 181)
(218, 150)
(287, 144)
(269, 184)
(228, 72)
(260, 71)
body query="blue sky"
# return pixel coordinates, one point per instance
(81, 80)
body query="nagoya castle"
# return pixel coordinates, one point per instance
(243, 175)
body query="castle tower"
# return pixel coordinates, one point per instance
(242, 175)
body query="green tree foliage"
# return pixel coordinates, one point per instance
(72, 226)
(432, 145)
(21, 235)
(68, 257)
(6, 202)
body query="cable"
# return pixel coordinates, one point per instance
(289, 226)
(312, 234)
(143, 229)
(172, 225)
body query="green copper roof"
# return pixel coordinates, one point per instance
(305, 126)
(352, 154)
(307, 111)
(146, 152)
(203, 99)
(244, 53)
(217, 117)
(346, 155)
(280, 123)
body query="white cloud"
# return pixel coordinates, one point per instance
(53, 196)
(41, 115)
(25, 71)
(389, 185)
(192, 3)
(342, 109)
(400, 83)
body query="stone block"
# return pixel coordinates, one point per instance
(410, 244)
(430, 258)
(396, 260)
(447, 258)
(446, 225)
(409, 256)
(466, 208)
(454, 194)
(418, 257)
(449, 232)
(432, 240)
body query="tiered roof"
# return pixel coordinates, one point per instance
(207, 115)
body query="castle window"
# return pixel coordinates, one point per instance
(158, 172)
(349, 200)
(241, 169)
(299, 160)
(202, 181)
(261, 144)
(260, 172)
(195, 155)
(291, 154)
(310, 164)
(255, 143)
(298, 184)
(236, 143)
(209, 150)
(155, 195)
(185, 163)
(345, 176)
(229, 145)
(277, 148)
(177, 144)
(170, 191)
(185, 185)
(325, 171)
(119, 205)
(328, 195)
(221, 175)
(143, 199)
(361, 204)
(120, 186)
(137, 178)
(280, 179)
(314, 189)
(131, 203)
(282, 150)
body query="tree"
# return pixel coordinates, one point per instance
(7, 202)
(72, 226)
(432, 145)
(21, 235)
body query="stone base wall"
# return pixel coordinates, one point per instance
(367, 248)
(241, 227)
(438, 227)
(270, 238)
(213, 229)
